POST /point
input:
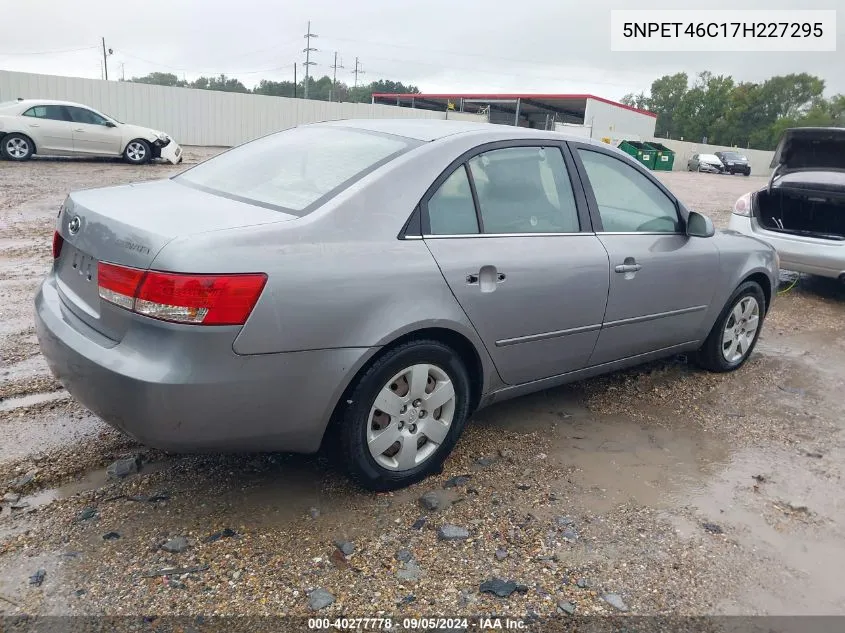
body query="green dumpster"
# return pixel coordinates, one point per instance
(642, 152)
(664, 157)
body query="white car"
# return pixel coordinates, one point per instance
(63, 128)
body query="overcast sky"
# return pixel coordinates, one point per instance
(438, 45)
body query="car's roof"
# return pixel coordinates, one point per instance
(49, 102)
(434, 129)
(34, 102)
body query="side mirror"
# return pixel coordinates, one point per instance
(699, 225)
(109, 124)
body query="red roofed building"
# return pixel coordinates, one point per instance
(581, 114)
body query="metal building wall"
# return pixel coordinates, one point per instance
(608, 120)
(195, 117)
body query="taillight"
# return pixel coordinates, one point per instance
(58, 240)
(182, 298)
(743, 206)
(119, 284)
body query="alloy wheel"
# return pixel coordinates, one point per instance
(17, 147)
(740, 329)
(135, 151)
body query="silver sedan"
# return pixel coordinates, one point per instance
(373, 283)
(801, 211)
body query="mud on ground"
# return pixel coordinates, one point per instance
(662, 489)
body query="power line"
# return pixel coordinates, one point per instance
(202, 72)
(54, 52)
(334, 68)
(478, 55)
(357, 72)
(307, 50)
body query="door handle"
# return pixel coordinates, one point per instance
(33, 125)
(474, 278)
(628, 268)
(79, 130)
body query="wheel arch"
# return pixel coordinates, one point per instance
(25, 135)
(765, 283)
(466, 349)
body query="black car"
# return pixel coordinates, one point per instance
(734, 163)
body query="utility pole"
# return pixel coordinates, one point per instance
(105, 60)
(294, 80)
(335, 66)
(122, 71)
(357, 71)
(307, 50)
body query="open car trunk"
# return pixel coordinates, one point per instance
(800, 209)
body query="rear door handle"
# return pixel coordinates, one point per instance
(489, 273)
(628, 268)
(79, 130)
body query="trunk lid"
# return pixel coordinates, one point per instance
(129, 225)
(810, 148)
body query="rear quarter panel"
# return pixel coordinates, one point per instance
(340, 277)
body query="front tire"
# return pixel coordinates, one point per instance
(17, 147)
(736, 331)
(137, 152)
(404, 415)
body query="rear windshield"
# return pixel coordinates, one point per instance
(733, 156)
(296, 170)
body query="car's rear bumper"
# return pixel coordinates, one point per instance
(825, 258)
(183, 389)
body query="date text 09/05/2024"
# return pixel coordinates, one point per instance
(723, 29)
(411, 624)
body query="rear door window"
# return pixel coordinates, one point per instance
(52, 112)
(524, 190)
(451, 210)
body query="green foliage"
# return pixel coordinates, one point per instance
(744, 114)
(160, 79)
(320, 89)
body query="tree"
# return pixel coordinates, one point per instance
(726, 113)
(160, 79)
(665, 99)
(639, 101)
(221, 83)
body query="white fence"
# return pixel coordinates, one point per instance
(198, 117)
(759, 159)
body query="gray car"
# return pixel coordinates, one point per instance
(372, 283)
(709, 163)
(801, 211)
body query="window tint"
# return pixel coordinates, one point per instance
(54, 112)
(82, 115)
(451, 210)
(627, 200)
(295, 168)
(524, 190)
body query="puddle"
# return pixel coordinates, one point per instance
(92, 480)
(805, 548)
(32, 399)
(624, 462)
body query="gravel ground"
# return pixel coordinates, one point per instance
(660, 490)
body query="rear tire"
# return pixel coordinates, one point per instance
(735, 333)
(17, 147)
(137, 152)
(388, 450)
